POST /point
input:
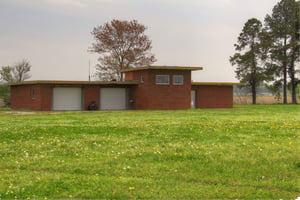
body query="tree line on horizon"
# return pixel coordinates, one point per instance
(269, 53)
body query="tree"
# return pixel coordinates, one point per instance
(295, 52)
(16, 74)
(21, 71)
(250, 56)
(283, 26)
(4, 94)
(6, 74)
(121, 45)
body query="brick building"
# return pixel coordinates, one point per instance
(151, 87)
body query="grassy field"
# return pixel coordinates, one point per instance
(248, 152)
(261, 100)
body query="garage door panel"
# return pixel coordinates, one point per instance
(67, 98)
(113, 99)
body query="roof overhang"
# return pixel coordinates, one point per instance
(75, 83)
(164, 68)
(217, 83)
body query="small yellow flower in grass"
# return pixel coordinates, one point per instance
(131, 188)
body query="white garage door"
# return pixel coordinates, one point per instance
(67, 98)
(113, 98)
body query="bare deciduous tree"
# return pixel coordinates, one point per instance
(21, 71)
(16, 74)
(121, 45)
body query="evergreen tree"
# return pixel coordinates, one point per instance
(294, 67)
(283, 26)
(249, 57)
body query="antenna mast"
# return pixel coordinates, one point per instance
(89, 69)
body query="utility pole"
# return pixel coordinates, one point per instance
(89, 70)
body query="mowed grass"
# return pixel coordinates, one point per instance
(248, 152)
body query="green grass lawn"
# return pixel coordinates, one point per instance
(242, 153)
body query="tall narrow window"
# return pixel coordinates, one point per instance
(32, 94)
(178, 80)
(142, 79)
(162, 79)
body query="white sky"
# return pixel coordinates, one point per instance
(54, 35)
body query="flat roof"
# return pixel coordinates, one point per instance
(217, 83)
(163, 67)
(53, 82)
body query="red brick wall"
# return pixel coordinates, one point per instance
(149, 95)
(46, 93)
(91, 93)
(146, 95)
(21, 97)
(129, 76)
(213, 96)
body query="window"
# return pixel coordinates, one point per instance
(142, 79)
(162, 79)
(32, 94)
(178, 80)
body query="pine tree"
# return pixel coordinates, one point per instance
(283, 26)
(250, 56)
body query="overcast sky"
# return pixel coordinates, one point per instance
(54, 35)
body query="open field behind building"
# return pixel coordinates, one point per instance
(260, 100)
